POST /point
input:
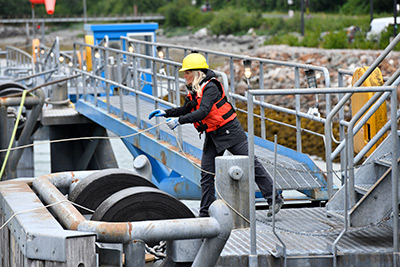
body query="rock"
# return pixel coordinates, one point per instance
(200, 34)
(241, 87)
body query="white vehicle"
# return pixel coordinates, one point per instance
(377, 26)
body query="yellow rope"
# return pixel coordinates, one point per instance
(13, 134)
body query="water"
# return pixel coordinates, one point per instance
(42, 156)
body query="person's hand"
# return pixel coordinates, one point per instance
(157, 113)
(173, 123)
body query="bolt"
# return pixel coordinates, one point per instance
(235, 173)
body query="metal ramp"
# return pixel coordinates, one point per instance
(294, 169)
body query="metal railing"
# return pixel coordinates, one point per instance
(18, 63)
(261, 62)
(386, 93)
(366, 112)
(119, 72)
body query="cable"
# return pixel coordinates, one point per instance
(215, 184)
(13, 134)
(82, 138)
(44, 207)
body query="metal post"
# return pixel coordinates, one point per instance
(119, 79)
(232, 80)
(395, 17)
(84, 12)
(253, 242)
(302, 17)
(297, 99)
(233, 188)
(395, 176)
(135, 254)
(262, 98)
(274, 200)
(371, 10)
(3, 135)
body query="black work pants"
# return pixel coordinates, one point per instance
(262, 178)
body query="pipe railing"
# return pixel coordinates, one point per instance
(136, 44)
(389, 92)
(18, 62)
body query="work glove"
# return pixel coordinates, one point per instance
(172, 123)
(157, 113)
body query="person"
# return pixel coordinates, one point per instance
(207, 107)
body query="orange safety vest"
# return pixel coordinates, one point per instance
(221, 112)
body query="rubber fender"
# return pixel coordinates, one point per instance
(141, 203)
(377, 120)
(11, 88)
(91, 191)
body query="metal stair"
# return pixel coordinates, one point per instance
(373, 189)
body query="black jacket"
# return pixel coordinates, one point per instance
(228, 135)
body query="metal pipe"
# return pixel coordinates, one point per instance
(274, 201)
(215, 229)
(346, 207)
(27, 132)
(298, 119)
(15, 101)
(250, 125)
(395, 176)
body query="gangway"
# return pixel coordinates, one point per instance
(133, 105)
(120, 105)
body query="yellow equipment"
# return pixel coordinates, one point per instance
(89, 39)
(194, 61)
(377, 120)
(35, 49)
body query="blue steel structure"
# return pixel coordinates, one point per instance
(174, 171)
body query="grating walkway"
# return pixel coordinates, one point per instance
(291, 174)
(307, 231)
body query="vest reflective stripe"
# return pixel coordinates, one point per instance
(220, 114)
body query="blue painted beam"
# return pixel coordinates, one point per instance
(160, 150)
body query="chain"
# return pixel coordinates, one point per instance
(329, 232)
(158, 251)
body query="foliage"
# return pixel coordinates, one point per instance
(228, 22)
(181, 13)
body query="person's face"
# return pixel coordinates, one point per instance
(188, 77)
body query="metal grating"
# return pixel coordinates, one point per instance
(308, 231)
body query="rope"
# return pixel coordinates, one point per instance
(13, 133)
(215, 184)
(82, 138)
(44, 207)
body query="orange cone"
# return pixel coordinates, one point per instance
(50, 5)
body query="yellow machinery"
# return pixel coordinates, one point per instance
(89, 39)
(377, 120)
(35, 49)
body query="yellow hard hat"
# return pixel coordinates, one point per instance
(194, 61)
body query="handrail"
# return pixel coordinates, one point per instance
(379, 90)
(261, 61)
(346, 97)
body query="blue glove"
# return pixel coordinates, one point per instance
(157, 113)
(172, 123)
